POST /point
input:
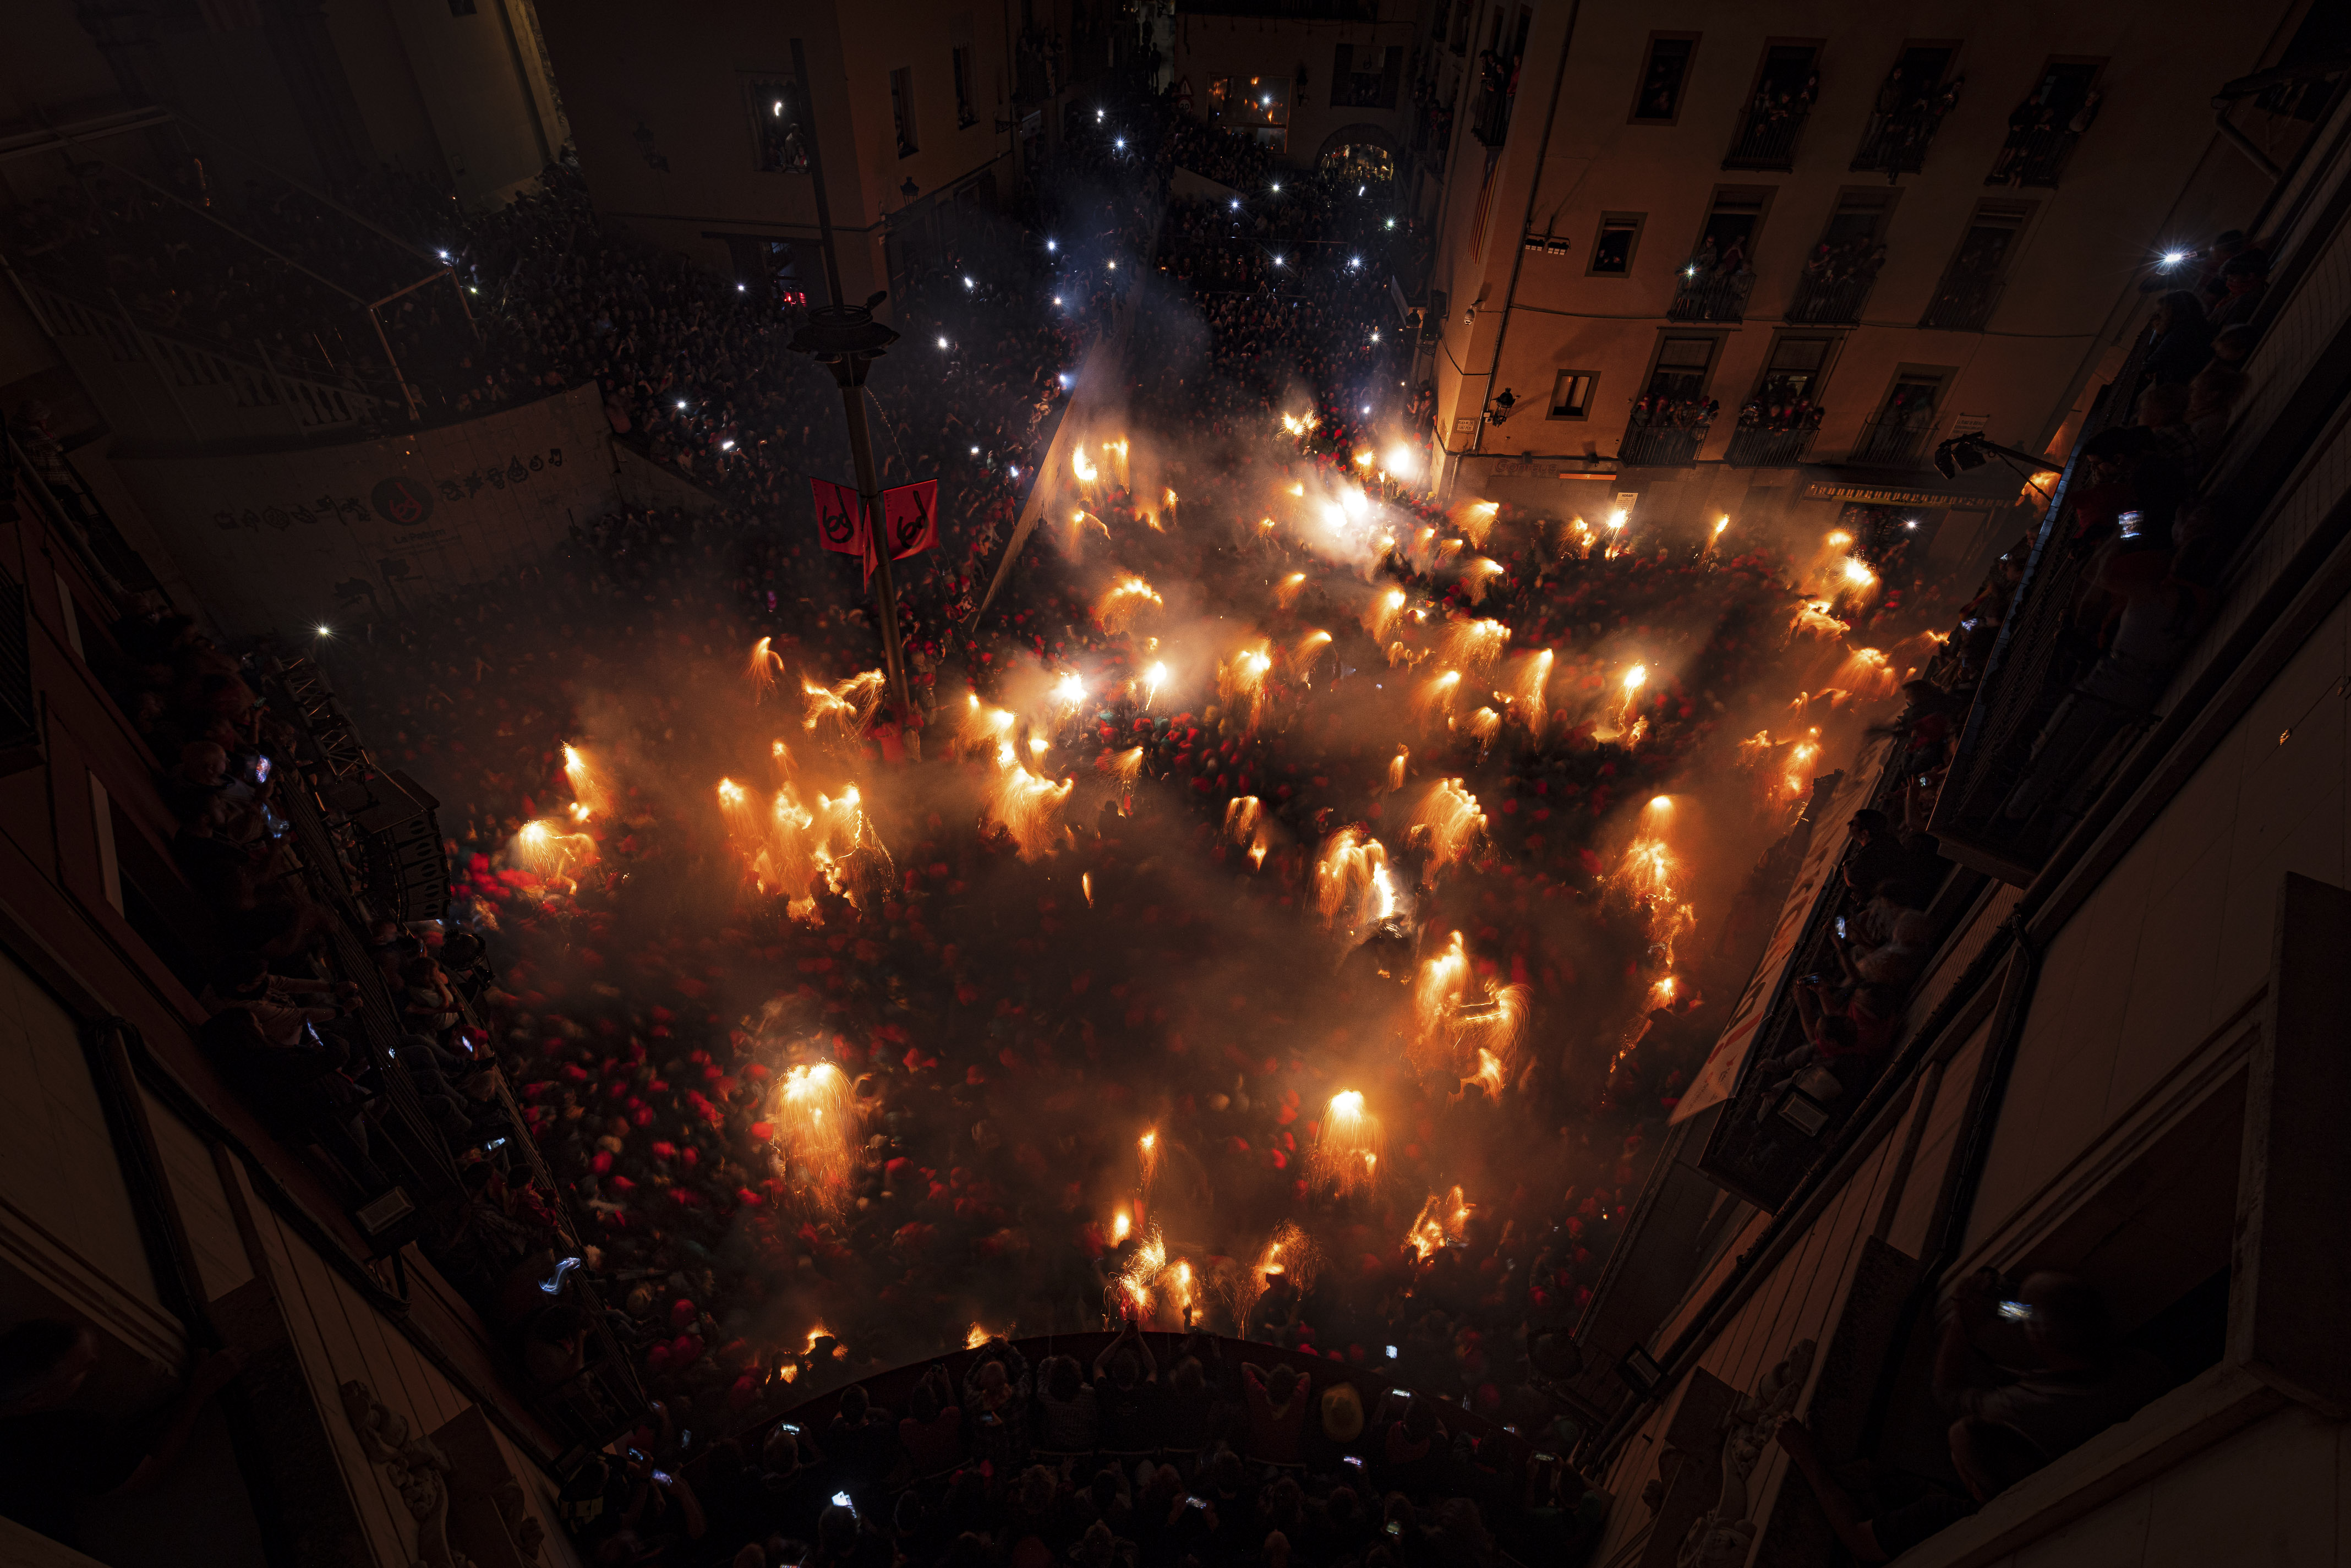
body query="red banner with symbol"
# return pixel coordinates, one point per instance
(840, 520)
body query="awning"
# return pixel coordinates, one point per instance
(1993, 484)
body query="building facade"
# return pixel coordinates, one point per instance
(1717, 259)
(706, 132)
(1313, 84)
(2120, 1059)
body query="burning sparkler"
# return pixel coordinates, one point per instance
(1474, 645)
(1453, 820)
(587, 788)
(1129, 597)
(848, 705)
(1443, 1222)
(815, 1117)
(1346, 1159)
(766, 664)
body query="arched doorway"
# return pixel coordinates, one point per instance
(1362, 151)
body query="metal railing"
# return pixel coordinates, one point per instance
(1711, 296)
(1893, 440)
(1835, 302)
(1898, 146)
(1964, 302)
(1767, 136)
(1756, 448)
(1660, 445)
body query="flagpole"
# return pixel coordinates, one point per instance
(846, 339)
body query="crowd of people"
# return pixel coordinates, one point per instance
(1004, 1028)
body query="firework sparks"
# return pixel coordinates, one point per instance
(1242, 815)
(1479, 573)
(1435, 997)
(1128, 598)
(1285, 592)
(1026, 807)
(1309, 648)
(1443, 1221)
(1492, 1028)
(764, 665)
(1483, 725)
(1868, 674)
(1476, 521)
(1433, 698)
(815, 1116)
(850, 706)
(1381, 616)
(1083, 466)
(1122, 1225)
(1453, 820)
(1147, 1155)
(1531, 694)
(1086, 886)
(587, 787)
(1346, 1158)
(977, 1337)
(1240, 681)
(1396, 767)
(1474, 645)
(1154, 679)
(1348, 875)
(1812, 619)
(544, 849)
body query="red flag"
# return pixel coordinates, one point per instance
(840, 519)
(910, 520)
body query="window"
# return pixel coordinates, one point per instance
(1794, 371)
(1612, 252)
(2043, 130)
(1365, 79)
(1910, 104)
(1220, 98)
(1261, 109)
(965, 114)
(1898, 435)
(777, 146)
(1845, 264)
(1680, 374)
(1665, 73)
(1570, 394)
(1438, 18)
(1786, 82)
(1464, 15)
(902, 109)
(1963, 301)
(461, 8)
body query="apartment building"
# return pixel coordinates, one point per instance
(173, 1198)
(2119, 1061)
(1708, 259)
(1316, 84)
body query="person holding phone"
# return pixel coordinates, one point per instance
(2072, 1380)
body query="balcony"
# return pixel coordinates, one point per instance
(1964, 303)
(1489, 122)
(1711, 296)
(1894, 441)
(1661, 445)
(1756, 447)
(1768, 135)
(1897, 145)
(1829, 297)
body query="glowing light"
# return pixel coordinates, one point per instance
(1086, 886)
(976, 1338)
(815, 1116)
(1349, 876)
(1122, 1224)
(1858, 573)
(1453, 824)
(1083, 466)
(1442, 1221)
(1636, 677)
(326, 632)
(1346, 1158)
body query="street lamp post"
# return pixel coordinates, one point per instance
(846, 341)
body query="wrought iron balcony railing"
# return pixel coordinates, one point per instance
(1893, 440)
(1965, 301)
(1660, 447)
(1767, 448)
(1711, 296)
(1835, 302)
(2042, 738)
(1898, 146)
(1768, 137)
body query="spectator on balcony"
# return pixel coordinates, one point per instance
(2183, 339)
(2065, 1381)
(1879, 1516)
(2245, 279)
(2212, 395)
(1126, 1379)
(996, 1404)
(2133, 480)
(2163, 410)
(860, 1440)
